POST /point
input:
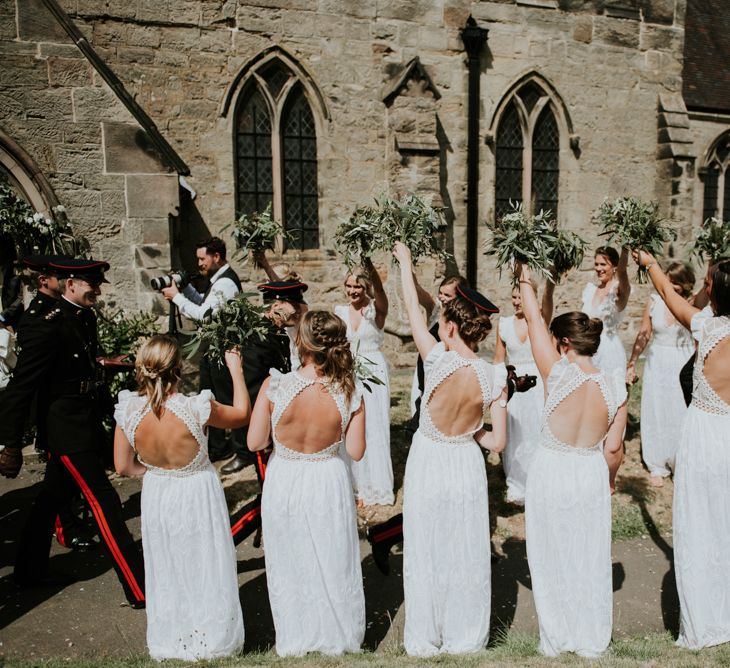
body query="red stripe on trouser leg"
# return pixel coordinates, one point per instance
(105, 530)
(248, 517)
(395, 531)
(59, 532)
(261, 464)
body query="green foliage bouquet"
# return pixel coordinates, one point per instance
(411, 220)
(712, 240)
(257, 232)
(535, 241)
(636, 225)
(231, 326)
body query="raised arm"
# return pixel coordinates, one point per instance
(624, 285)
(239, 413)
(260, 258)
(381, 299)
(259, 429)
(642, 339)
(543, 350)
(424, 298)
(419, 327)
(681, 309)
(546, 308)
(500, 350)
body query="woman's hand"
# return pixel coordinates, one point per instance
(234, 361)
(631, 376)
(522, 271)
(402, 253)
(642, 258)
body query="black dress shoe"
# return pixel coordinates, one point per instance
(137, 605)
(234, 466)
(381, 555)
(81, 543)
(48, 580)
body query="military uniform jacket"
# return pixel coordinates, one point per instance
(260, 356)
(58, 353)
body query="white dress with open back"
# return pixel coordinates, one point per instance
(191, 581)
(310, 532)
(446, 550)
(701, 510)
(372, 476)
(568, 526)
(523, 416)
(611, 355)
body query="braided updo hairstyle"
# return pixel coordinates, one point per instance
(473, 323)
(582, 332)
(158, 369)
(322, 337)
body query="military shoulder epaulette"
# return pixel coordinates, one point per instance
(53, 314)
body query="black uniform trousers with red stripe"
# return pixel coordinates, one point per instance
(248, 519)
(65, 475)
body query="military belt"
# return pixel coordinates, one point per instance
(74, 387)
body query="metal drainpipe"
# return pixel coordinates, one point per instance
(474, 39)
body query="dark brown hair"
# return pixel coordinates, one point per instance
(609, 252)
(212, 246)
(457, 280)
(322, 337)
(472, 323)
(580, 331)
(720, 291)
(682, 275)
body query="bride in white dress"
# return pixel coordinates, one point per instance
(607, 301)
(446, 552)
(569, 484)
(308, 510)
(662, 402)
(525, 408)
(365, 317)
(701, 512)
(193, 608)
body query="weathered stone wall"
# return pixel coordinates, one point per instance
(607, 62)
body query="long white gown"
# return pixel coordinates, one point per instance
(446, 551)
(372, 476)
(568, 526)
(523, 416)
(662, 402)
(611, 355)
(193, 608)
(310, 532)
(702, 504)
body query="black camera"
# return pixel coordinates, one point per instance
(180, 278)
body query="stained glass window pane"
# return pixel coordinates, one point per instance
(709, 208)
(508, 185)
(276, 77)
(254, 185)
(545, 162)
(530, 94)
(299, 144)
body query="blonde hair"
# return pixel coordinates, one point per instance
(322, 336)
(286, 272)
(362, 278)
(158, 369)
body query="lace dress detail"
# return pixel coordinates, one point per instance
(372, 476)
(568, 526)
(523, 417)
(662, 403)
(310, 527)
(611, 355)
(193, 608)
(701, 511)
(446, 551)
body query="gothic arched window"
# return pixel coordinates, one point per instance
(716, 179)
(276, 153)
(527, 152)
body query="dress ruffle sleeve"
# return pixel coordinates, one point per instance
(499, 379)
(120, 409)
(437, 352)
(357, 396)
(556, 373)
(201, 406)
(273, 391)
(699, 322)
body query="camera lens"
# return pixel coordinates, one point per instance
(160, 282)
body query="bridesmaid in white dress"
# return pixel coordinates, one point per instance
(308, 511)
(662, 401)
(570, 481)
(364, 316)
(701, 512)
(525, 409)
(193, 608)
(446, 552)
(607, 301)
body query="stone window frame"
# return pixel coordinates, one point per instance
(718, 179)
(567, 137)
(250, 77)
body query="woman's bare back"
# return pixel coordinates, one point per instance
(166, 442)
(581, 418)
(311, 422)
(456, 405)
(716, 369)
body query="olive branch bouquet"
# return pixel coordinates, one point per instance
(256, 232)
(364, 371)
(231, 326)
(411, 220)
(535, 241)
(634, 224)
(712, 240)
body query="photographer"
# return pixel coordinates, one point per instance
(224, 285)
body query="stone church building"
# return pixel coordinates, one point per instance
(154, 122)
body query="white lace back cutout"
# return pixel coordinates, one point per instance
(448, 364)
(180, 406)
(703, 396)
(571, 378)
(283, 389)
